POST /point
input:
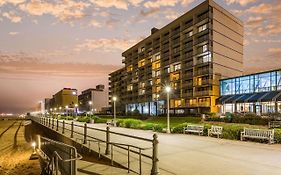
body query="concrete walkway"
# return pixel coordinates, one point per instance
(190, 154)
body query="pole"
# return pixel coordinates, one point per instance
(114, 113)
(155, 170)
(107, 141)
(71, 132)
(85, 133)
(168, 112)
(63, 126)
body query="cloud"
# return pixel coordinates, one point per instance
(160, 3)
(13, 33)
(25, 64)
(119, 4)
(241, 2)
(255, 21)
(105, 44)
(12, 16)
(260, 9)
(64, 10)
(14, 2)
(95, 23)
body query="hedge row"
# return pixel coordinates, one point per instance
(138, 124)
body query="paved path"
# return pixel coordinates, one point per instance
(190, 154)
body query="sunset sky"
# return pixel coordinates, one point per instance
(48, 45)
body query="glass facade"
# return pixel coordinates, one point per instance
(256, 93)
(261, 82)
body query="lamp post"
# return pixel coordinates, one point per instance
(91, 106)
(114, 109)
(76, 109)
(168, 90)
(66, 109)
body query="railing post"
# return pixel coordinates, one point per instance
(85, 133)
(71, 132)
(63, 125)
(107, 141)
(57, 125)
(49, 121)
(155, 170)
(53, 123)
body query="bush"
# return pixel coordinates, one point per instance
(129, 123)
(277, 135)
(98, 119)
(179, 129)
(147, 126)
(84, 119)
(66, 117)
(157, 128)
(248, 118)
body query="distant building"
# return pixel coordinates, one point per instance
(93, 99)
(64, 101)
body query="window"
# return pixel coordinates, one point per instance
(177, 67)
(156, 57)
(177, 103)
(201, 28)
(167, 69)
(174, 76)
(141, 63)
(141, 91)
(130, 87)
(142, 85)
(158, 81)
(130, 68)
(155, 73)
(189, 34)
(204, 48)
(156, 65)
(207, 58)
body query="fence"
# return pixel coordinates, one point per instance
(61, 158)
(110, 146)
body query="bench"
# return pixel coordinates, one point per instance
(215, 130)
(274, 124)
(110, 122)
(258, 134)
(194, 129)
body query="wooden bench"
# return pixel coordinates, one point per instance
(258, 134)
(274, 124)
(215, 130)
(194, 129)
(110, 122)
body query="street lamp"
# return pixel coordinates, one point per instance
(114, 108)
(76, 108)
(168, 90)
(91, 107)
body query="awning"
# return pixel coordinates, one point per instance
(250, 98)
(270, 96)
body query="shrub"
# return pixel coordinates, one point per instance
(157, 128)
(84, 119)
(179, 128)
(98, 119)
(147, 126)
(277, 135)
(129, 123)
(66, 117)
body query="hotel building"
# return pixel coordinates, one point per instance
(190, 54)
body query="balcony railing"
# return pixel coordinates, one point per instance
(203, 72)
(204, 93)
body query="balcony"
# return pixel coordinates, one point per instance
(188, 25)
(203, 17)
(202, 39)
(203, 72)
(203, 93)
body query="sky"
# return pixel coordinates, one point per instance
(46, 45)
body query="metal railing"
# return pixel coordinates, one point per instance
(61, 157)
(72, 128)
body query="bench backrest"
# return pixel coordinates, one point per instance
(216, 129)
(258, 132)
(195, 127)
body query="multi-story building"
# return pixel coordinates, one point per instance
(258, 93)
(189, 54)
(93, 99)
(66, 100)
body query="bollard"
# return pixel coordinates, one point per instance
(107, 141)
(71, 133)
(53, 123)
(155, 170)
(63, 125)
(57, 125)
(85, 133)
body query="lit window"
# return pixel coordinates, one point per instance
(156, 65)
(204, 48)
(201, 28)
(207, 58)
(130, 87)
(141, 63)
(129, 68)
(167, 69)
(177, 67)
